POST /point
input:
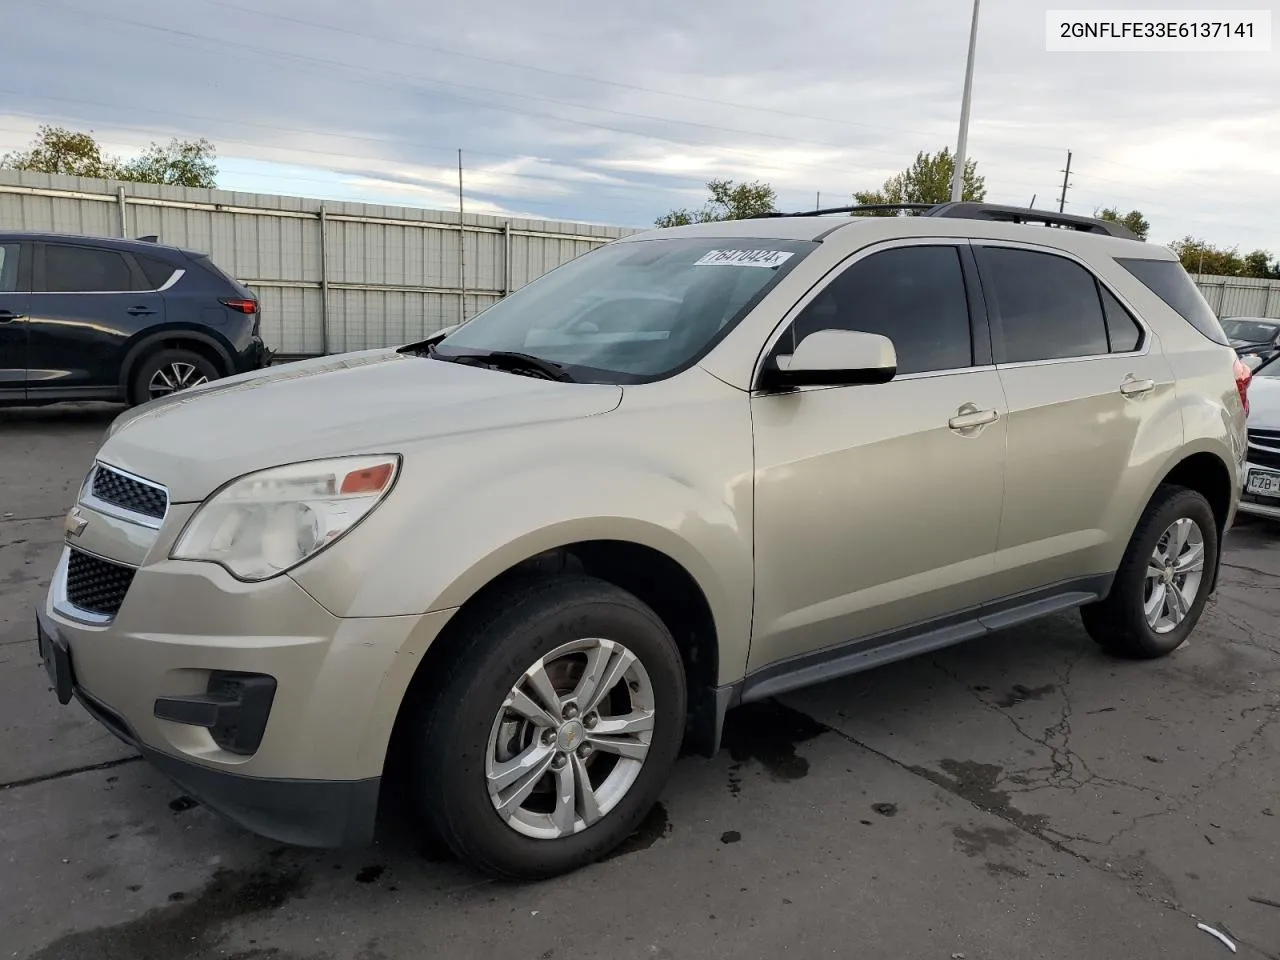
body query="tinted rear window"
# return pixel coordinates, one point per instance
(72, 269)
(1170, 282)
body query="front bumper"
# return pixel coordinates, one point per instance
(308, 813)
(1255, 504)
(313, 777)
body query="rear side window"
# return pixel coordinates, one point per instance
(915, 296)
(1122, 330)
(1169, 281)
(156, 271)
(69, 269)
(8, 267)
(1048, 306)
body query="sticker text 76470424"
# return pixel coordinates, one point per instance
(744, 258)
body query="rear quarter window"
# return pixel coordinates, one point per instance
(155, 270)
(1169, 281)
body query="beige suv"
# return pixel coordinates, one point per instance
(693, 468)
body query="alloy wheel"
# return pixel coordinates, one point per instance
(173, 377)
(570, 739)
(1174, 574)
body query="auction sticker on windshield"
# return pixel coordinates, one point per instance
(744, 258)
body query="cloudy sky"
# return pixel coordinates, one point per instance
(615, 113)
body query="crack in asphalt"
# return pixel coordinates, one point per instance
(59, 775)
(52, 516)
(1036, 827)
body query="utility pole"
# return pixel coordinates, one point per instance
(1066, 177)
(462, 250)
(817, 202)
(962, 144)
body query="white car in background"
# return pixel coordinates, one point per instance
(1261, 495)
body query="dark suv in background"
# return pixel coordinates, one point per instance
(92, 318)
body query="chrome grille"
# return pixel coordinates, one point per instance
(96, 585)
(123, 491)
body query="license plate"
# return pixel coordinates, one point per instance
(1263, 482)
(57, 662)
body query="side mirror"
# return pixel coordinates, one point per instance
(828, 358)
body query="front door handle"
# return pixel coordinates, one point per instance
(140, 311)
(1136, 388)
(8, 316)
(970, 417)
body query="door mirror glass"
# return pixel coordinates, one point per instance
(837, 358)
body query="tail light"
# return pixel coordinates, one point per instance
(247, 307)
(1244, 376)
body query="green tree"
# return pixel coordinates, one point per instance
(186, 163)
(183, 163)
(1197, 256)
(1259, 264)
(1134, 220)
(59, 150)
(728, 201)
(927, 180)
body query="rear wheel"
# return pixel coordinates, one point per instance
(170, 371)
(554, 733)
(1163, 582)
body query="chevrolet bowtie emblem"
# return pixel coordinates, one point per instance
(75, 523)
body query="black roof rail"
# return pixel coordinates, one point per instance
(857, 208)
(970, 210)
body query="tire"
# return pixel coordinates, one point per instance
(182, 368)
(463, 730)
(1121, 623)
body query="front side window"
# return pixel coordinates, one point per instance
(8, 267)
(69, 269)
(915, 296)
(633, 311)
(1048, 306)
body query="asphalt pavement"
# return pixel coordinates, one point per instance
(1021, 796)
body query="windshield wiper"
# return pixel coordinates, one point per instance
(511, 361)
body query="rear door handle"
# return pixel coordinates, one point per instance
(8, 316)
(1136, 388)
(140, 311)
(970, 417)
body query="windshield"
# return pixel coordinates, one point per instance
(1250, 331)
(630, 312)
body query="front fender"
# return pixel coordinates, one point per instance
(448, 531)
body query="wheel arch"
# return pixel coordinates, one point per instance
(179, 338)
(653, 575)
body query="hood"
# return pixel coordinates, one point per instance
(1264, 403)
(375, 401)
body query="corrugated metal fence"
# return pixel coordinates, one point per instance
(336, 276)
(331, 276)
(1240, 296)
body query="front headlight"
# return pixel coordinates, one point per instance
(267, 522)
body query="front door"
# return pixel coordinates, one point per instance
(87, 302)
(878, 507)
(1091, 409)
(13, 325)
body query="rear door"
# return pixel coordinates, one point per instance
(87, 301)
(14, 280)
(1091, 403)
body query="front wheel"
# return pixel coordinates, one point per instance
(1163, 582)
(554, 733)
